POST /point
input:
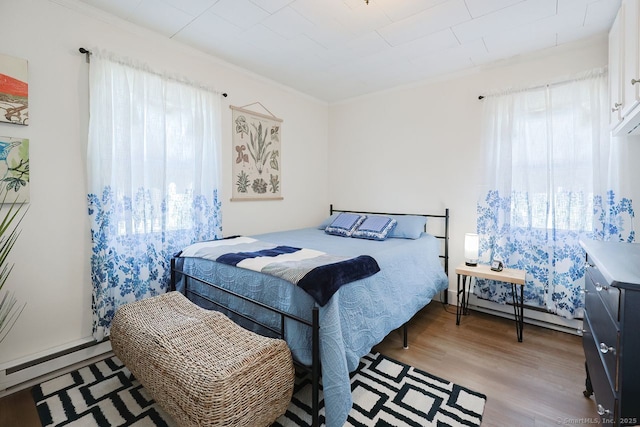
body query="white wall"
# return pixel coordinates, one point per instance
(51, 257)
(418, 148)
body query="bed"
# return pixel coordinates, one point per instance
(328, 339)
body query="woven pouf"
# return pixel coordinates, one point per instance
(201, 367)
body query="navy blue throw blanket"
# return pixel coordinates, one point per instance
(322, 282)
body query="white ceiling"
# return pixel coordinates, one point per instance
(339, 49)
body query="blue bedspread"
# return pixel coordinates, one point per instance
(358, 316)
(318, 273)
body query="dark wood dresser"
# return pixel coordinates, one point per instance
(611, 336)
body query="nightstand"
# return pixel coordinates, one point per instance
(508, 275)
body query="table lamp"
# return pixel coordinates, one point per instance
(471, 244)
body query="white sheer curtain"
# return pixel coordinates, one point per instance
(153, 169)
(555, 176)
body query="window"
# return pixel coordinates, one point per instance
(552, 163)
(549, 162)
(153, 179)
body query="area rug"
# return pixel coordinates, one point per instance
(385, 393)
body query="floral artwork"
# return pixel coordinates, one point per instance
(14, 168)
(14, 90)
(256, 156)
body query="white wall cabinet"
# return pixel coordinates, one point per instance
(631, 69)
(624, 70)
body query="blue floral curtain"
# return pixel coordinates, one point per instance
(554, 176)
(153, 179)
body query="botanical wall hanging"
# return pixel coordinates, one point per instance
(14, 90)
(256, 155)
(14, 168)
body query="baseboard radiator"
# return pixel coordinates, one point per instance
(27, 372)
(532, 316)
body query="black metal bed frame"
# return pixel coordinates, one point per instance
(314, 324)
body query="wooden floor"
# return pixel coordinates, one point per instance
(537, 382)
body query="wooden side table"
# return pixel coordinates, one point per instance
(508, 275)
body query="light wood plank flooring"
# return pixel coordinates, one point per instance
(537, 382)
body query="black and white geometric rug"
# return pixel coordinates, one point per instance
(385, 393)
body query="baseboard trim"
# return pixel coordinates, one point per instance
(533, 317)
(42, 368)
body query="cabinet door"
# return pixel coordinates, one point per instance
(615, 70)
(631, 62)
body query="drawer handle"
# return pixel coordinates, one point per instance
(634, 81)
(601, 288)
(604, 349)
(602, 411)
(616, 107)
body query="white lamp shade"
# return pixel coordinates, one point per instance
(471, 244)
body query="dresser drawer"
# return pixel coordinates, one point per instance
(616, 310)
(610, 295)
(605, 334)
(605, 395)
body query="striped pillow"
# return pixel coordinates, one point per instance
(375, 227)
(345, 224)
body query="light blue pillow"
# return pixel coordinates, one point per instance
(375, 227)
(328, 221)
(344, 224)
(408, 227)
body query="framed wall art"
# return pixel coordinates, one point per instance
(14, 90)
(257, 166)
(14, 169)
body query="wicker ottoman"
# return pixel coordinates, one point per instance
(199, 366)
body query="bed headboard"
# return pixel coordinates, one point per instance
(444, 236)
